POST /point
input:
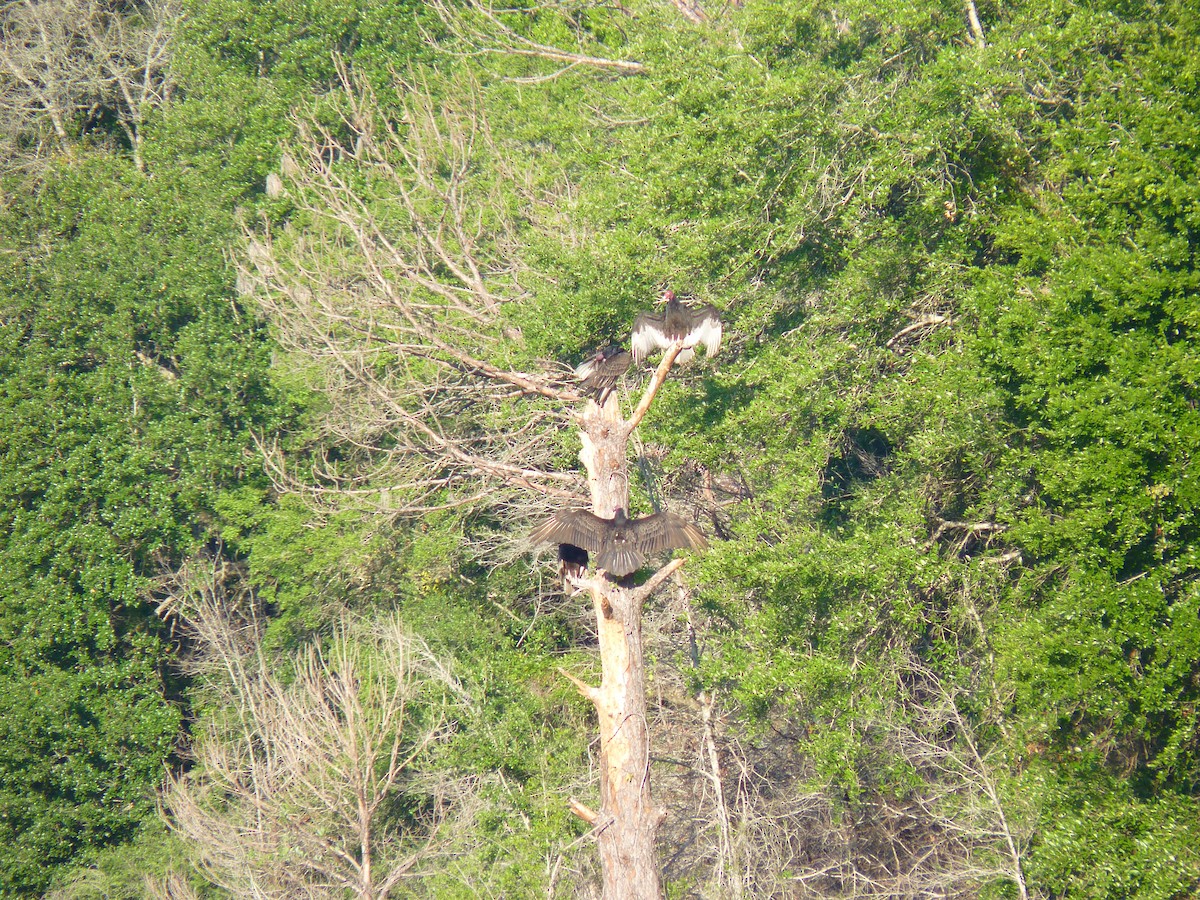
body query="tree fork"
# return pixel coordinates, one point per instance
(628, 819)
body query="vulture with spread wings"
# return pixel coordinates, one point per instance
(678, 322)
(621, 544)
(600, 371)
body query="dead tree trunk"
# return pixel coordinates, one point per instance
(628, 819)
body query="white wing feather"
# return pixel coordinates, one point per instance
(647, 336)
(708, 333)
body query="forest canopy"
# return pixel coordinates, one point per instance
(291, 293)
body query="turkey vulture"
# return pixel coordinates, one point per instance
(621, 544)
(679, 322)
(572, 562)
(600, 371)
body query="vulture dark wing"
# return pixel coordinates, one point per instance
(705, 328)
(665, 531)
(572, 561)
(572, 526)
(608, 363)
(619, 559)
(601, 371)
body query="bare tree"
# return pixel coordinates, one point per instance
(65, 62)
(45, 75)
(394, 292)
(395, 297)
(131, 52)
(307, 786)
(963, 799)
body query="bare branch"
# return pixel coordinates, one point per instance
(922, 322)
(484, 33)
(652, 584)
(394, 299)
(588, 815)
(969, 531)
(976, 28)
(691, 10)
(660, 375)
(292, 779)
(585, 689)
(65, 62)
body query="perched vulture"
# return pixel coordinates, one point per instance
(572, 562)
(600, 371)
(678, 322)
(621, 544)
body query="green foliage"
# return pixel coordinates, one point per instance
(958, 400)
(1101, 840)
(1034, 204)
(130, 384)
(294, 42)
(121, 872)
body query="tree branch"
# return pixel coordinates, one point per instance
(660, 375)
(976, 28)
(583, 687)
(492, 37)
(643, 592)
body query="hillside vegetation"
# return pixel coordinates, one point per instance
(255, 258)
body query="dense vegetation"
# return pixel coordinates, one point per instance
(947, 635)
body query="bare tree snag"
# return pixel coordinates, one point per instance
(628, 819)
(291, 794)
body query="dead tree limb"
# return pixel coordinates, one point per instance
(477, 30)
(691, 10)
(627, 841)
(660, 375)
(394, 299)
(976, 28)
(923, 322)
(582, 811)
(713, 771)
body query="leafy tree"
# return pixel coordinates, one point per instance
(127, 400)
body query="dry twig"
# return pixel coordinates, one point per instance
(294, 779)
(393, 299)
